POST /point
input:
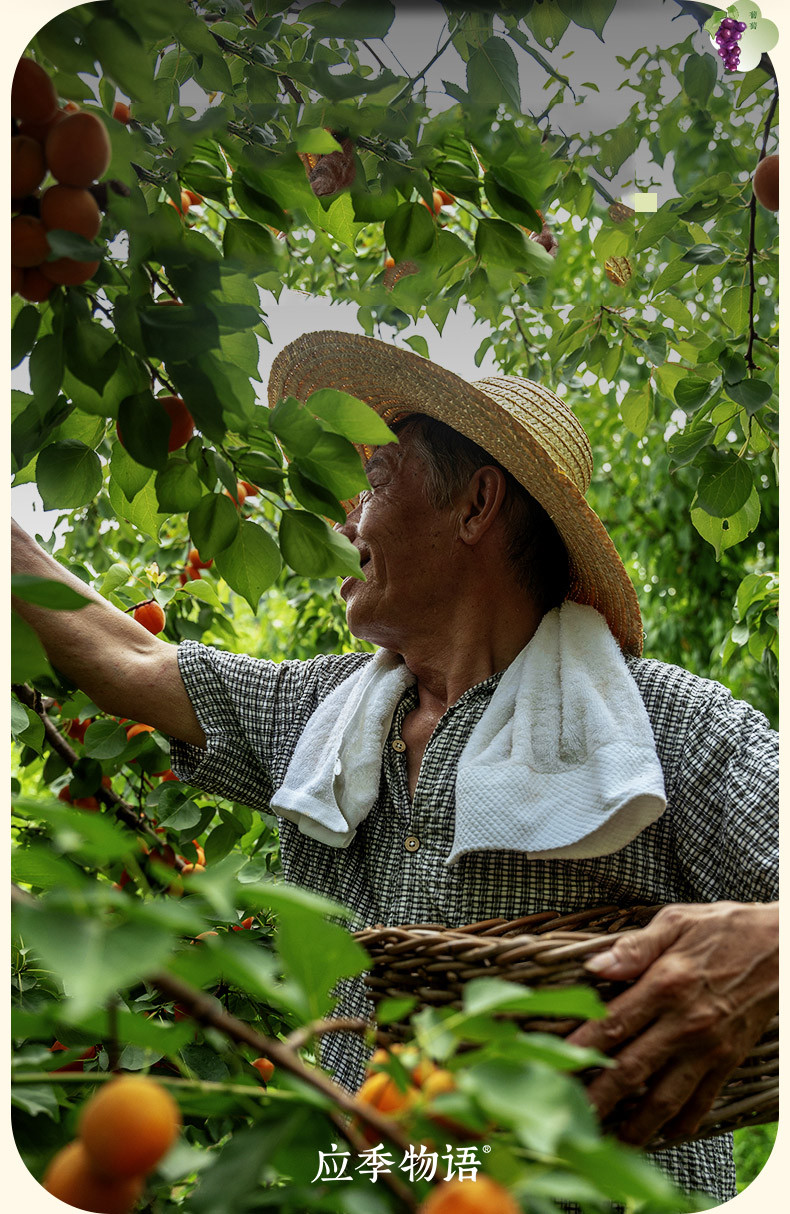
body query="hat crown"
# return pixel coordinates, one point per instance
(548, 419)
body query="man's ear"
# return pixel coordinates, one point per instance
(480, 503)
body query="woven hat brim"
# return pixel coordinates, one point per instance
(397, 382)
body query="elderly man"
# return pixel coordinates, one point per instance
(506, 750)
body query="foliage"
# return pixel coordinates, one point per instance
(671, 369)
(753, 1145)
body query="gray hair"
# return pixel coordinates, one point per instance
(536, 553)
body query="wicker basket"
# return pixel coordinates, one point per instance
(432, 963)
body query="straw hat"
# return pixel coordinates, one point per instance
(526, 427)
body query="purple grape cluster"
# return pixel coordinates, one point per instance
(728, 36)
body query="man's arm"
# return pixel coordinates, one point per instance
(123, 668)
(707, 986)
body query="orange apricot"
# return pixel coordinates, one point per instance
(71, 1178)
(78, 149)
(33, 96)
(264, 1067)
(27, 166)
(36, 287)
(480, 1196)
(70, 209)
(121, 112)
(29, 246)
(182, 427)
(17, 279)
(129, 1125)
(151, 616)
(766, 182)
(134, 730)
(66, 272)
(194, 560)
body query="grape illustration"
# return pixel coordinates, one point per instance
(727, 37)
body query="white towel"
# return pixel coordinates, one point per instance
(561, 763)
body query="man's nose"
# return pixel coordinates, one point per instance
(349, 527)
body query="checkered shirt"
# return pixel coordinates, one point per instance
(716, 840)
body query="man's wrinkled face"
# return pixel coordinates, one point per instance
(404, 544)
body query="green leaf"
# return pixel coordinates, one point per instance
(704, 255)
(92, 353)
(69, 244)
(635, 409)
(143, 512)
(28, 659)
(653, 347)
(251, 246)
(105, 740)
(125, 472)
(313, 549)
(294, 425)
(250, 563)
(693, 392)
(213, 524)
(315, 954)
(409, 231)
(24, 333)
(500, 244)
(699, 77)
(496, 994)
(46, 369)
(92, 959)
(725, 485)
(122, 55)
(68, 474)
(315, 140)
(683, 447)
(348, 415)
(733, 365)
(354, 19)
(420, 346)
(544, 1106)
(178, 334)
(259, 206)
(735, 308)
(492, 75)
(335, 464)
(653, 228)
(509, 205)
(314, 497)
(589, 14)
(750, 394)
(46, 593)
(178, 487)
(144, 428)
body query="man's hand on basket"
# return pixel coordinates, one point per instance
(707, 986)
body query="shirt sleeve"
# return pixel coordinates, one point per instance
(252, 712)
(726, 792)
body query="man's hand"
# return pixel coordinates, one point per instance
(709, 985)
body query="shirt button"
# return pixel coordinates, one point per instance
(399, 745)
(411, 843)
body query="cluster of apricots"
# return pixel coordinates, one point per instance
(426, 1082)
(124, 1131)
(69, 145)
(483, 1195)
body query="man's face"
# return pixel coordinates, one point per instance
(405, 547)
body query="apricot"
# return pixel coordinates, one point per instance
(121, 112)
(182, 427)
(189, 574)
(72, 1180)
(78, 149)
(264, 1067)
(36, 287)
(29, 246)
(383, 1093)
(480, 1196)
(78, 1064)
(129, 1125)
(152, 617)
(437, 202)
(66, 272)
(27, 166)
(194, 868)
(185, 202)
(33, 96)
(70, 209)
(76, 729)
(766, 183)
(134, 730)
(194, 560)
(447, 199)
(239, 497)
(17, 279)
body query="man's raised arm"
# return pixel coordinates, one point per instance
(123, 668)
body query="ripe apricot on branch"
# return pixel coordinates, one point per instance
(480, 1196)
(78, 149)
(27, 166)
(129, 1125)
(766, 183)
(194, 560)
(29, 246)
(182, 427)
(36, 287)
(71, 1178)
(33, 96)
(151, 616)
(70, 209)
(66, 272)
(264, 1067)
(121, 112)
(134, 730)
